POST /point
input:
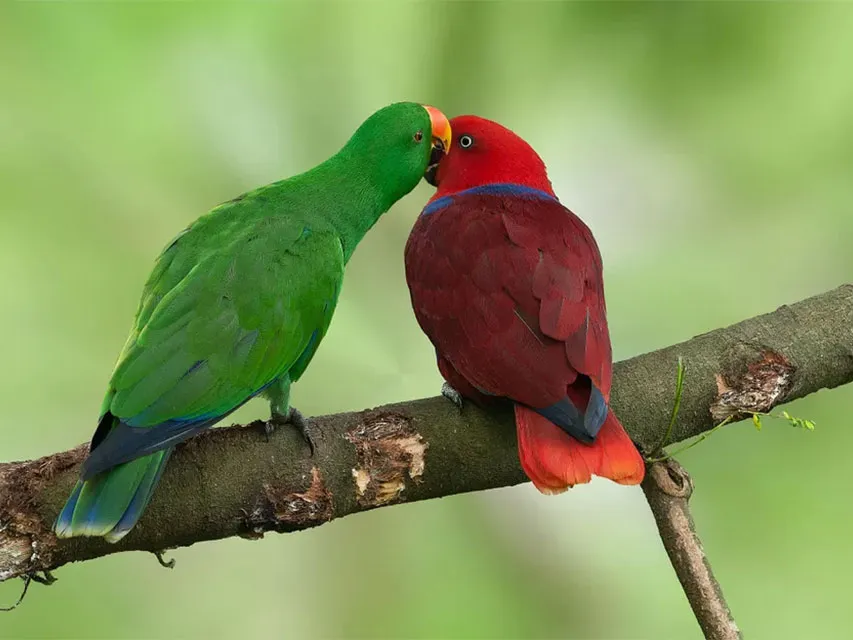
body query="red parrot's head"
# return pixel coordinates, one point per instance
(484, 152)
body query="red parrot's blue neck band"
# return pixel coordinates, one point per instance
(496, 189)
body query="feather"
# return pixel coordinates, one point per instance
(109, 504)
(554, 461)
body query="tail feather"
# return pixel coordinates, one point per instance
(554, 461)
(109, 504)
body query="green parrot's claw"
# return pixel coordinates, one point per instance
(299, 421)
(294, 418)
(452, 394)
(270, 425)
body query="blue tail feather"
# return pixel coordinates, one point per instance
(583, 426)
(110, 503)
(63, 521)
(140, 499)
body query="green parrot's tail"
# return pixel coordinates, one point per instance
(110, 503)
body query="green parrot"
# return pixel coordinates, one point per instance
(236, 307)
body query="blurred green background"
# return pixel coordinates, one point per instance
(709, 147)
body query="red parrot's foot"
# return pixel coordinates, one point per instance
(457, 389)
(452, 394)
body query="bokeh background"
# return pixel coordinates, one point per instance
(708, 145)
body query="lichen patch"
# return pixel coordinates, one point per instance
(765, 384)
(390, 453)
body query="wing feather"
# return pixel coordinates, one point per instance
(510, 291)
(219, 320)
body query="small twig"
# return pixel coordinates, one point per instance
(668, 488)
(702, 437)
(799, 423)
(27, 580)
(169, 564)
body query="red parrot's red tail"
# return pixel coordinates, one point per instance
(555, 461)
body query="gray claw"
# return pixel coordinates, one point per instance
(269, 426)
(294, 418)
(452, 394)
(299, 421)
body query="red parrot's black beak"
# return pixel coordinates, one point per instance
(441, 137)
(435, 156)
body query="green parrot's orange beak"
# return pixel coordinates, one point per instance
(440, 128)
(441, 137)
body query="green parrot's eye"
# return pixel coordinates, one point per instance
(419, 136)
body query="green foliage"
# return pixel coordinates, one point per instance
(799, 423)
(756, 420)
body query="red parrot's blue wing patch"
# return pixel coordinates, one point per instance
(497, 189)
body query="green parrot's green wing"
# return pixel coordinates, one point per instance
(219, 320)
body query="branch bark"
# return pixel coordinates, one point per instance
(668, 488)
(231, 481)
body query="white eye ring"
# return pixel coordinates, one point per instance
(465, 141)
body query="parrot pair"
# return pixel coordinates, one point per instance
(504, 280)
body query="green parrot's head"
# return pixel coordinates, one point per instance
(399, 144)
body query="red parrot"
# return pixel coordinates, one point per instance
(507, 284)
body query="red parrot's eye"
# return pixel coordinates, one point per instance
(419, 136)
(465, 141)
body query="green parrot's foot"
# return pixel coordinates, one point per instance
(294, 418)
(452, 394)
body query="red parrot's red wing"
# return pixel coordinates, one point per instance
(510, 292)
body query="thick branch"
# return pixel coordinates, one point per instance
(232, 481)
(668, 488)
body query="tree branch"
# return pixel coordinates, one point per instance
(668, 488)
(231, 481)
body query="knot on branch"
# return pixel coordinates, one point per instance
(671, 478)
(765, 384)
(387, 450)
(281, 510)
